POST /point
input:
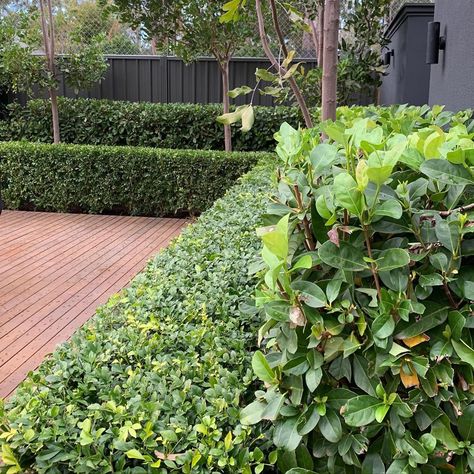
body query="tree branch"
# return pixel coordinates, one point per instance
(276, 25)
(449, 295)
(281, 70)
(461, 209)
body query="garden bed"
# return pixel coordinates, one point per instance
(163, 367)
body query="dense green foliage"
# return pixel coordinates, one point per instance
(103, 122)
(21, 68)
(127, 180)
(367, 294)
(154, 383)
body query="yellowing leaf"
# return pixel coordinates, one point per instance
(228, 441)
(197, 456)
(288, 59)
(362, 177)
(414, 341)
(408, 375)
(248, 118)
(134, 454)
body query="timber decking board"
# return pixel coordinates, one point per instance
(56, 269)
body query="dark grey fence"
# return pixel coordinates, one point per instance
(169, 79)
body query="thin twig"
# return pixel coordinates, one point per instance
(307, 229)
(462, 209)
(372, 264)
(276, 25)
(449, 295)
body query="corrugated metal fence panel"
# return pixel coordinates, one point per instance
(169, 79)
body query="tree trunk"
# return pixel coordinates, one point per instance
(53, 95)
(153, 45)
(321, 35)
(224, 68)
(47, 27)
(331, 37)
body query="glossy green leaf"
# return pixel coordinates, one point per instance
(348, 195)
(261, 367)
(390, 259)
(466, 424)
(360, 411)
(345, 257)
(446, 172)
(464, 351)
(310, 293)
(330, 426)
(286, 434)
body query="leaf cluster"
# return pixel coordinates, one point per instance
(23, 64)
(367, 294)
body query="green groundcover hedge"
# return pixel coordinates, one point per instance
(161, 370)
(104, 122)
(126, 180)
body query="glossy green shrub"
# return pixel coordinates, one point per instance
(127, 180)
(154, 383)
(178, 126)
(367, 299)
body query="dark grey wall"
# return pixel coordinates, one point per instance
(408, 76)
(169, 79)
(452, 79)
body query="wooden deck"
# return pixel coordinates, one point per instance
(55, 269)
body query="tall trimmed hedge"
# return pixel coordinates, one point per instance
(155, 382)
(126, 180)
(178, 126)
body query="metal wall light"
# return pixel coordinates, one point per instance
(387, 57)
(435, 42)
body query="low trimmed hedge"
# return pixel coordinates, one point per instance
(163, 368)
(178, 126)
(126, 180)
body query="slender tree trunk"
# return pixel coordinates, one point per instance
(331, 38)
(280, 69)
(47, 27)
(153, 46)
(321, 35)
(224, 68)
(53, 95)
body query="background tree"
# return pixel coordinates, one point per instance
(84, 20)
(361, 44)
(28, 58)
(192, 28)
(283, 77)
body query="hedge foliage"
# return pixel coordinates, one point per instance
(178, 126)
(155, 382)
(128, 180)
(367, 297)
